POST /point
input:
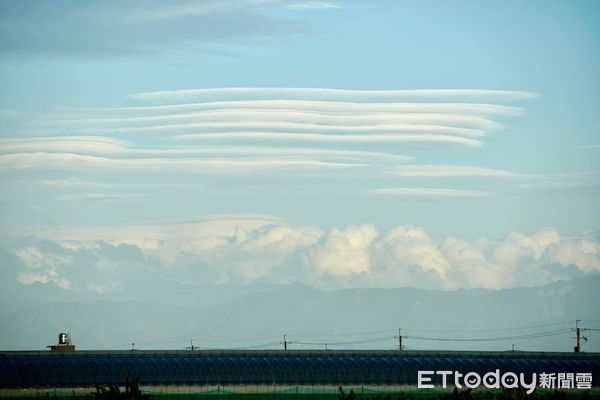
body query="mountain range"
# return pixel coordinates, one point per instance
(256, 316)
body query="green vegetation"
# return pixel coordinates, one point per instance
(132, 391)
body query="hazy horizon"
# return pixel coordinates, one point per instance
(160, 315)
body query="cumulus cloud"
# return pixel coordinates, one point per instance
(471, 266)
(81, 265)
(342, 252)
(583, 253)
(43, 266)
(240, 250)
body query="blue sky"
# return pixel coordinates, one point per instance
(456, 119)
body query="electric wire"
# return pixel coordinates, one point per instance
(491, 329)
(304, 339)
(518, 337)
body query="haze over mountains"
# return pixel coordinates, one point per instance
(167, 314)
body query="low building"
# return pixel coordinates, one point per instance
(270, 369)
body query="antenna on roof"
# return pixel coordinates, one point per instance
(191, 346)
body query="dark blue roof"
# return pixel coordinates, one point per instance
(85, 368)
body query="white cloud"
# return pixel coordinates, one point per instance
(193, 9)
(111, 147)
(429, 192)
(242, 131)
(242, 249)
(281, 126)
(344, 252)
(43, 267)
(521, 254)
(584, 253)
(313, 5)
(589, 147)
(101, 197)
(265, 132)
(76, 183)
(61, 144)
(198, 165)
(7, 113)
(344, 94)
(470, 265)
(360, 117)
(161, 112)
(538, 241)
(284, 238)
(346, 138)
(35, 258)
(29, 278)
(450, 171)
(80, 29)
(408, 256)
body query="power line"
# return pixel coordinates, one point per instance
(430, 330)
(355, 342)
(344, 334)
(250, 339)
(490, 330)
(304, 340)
(493, 339)
(257, 346)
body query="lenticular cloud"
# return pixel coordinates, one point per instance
(236, 130)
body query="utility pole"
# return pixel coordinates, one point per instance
(285, 343)
(399, 337)
(132, 346)
(578, 336)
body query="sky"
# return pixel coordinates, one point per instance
(338, 143)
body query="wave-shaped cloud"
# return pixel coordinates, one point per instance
(469, 108)
(250, 130)
(468, 95)
(429, 192)
(450, 171)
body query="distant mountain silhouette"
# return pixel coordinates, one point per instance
(216, 316)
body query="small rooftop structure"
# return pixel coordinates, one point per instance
(64, 343)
